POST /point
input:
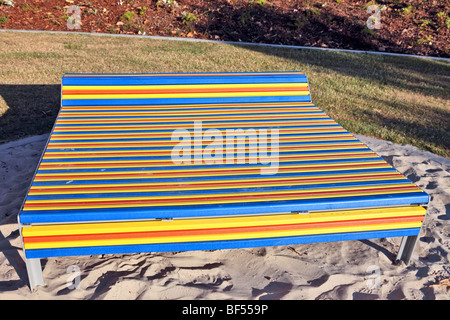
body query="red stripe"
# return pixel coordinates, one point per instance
(170, 91)
(213, 231)
(183, 185)
(150, 127)
(115, 164)
(180, 75)
(243, 171)
(192, 107)
(197, 118)
(150, 135)
(79, 202)
(61, 121)
(110, 154)
(187, 111)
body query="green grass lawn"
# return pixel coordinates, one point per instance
(403, 100)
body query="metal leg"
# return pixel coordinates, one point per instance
(34, 270)
(406, 249)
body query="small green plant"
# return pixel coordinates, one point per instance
(407, 10)
(367, 5)
(258, 2)
(338, 1)
(188, 17)
(3, 19)
(440, 15)
(129, 15)
(142, 11)
(36, 9)
(421, 41)
(424, 22)
(447, 23)
(26, 8)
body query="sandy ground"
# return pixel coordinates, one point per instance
(341, 270)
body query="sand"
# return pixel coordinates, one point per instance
(340, 270)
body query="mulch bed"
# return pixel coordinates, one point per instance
(413, 27)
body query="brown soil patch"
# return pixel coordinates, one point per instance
(413, 27)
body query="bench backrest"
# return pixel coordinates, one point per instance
(187, 88)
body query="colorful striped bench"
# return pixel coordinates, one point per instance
(174, 162)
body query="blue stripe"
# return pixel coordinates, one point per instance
(192, 121)
(179, 80)
(216, 190)
(295, 109)
(189, 118)
(207, 166)
(206, 178)
(231, 122)
(258, 123)
(184, 101)
(193, 138)
(229, 209)
(167, 131)
(303, 127)
(62, 115)
(152, 147)
(216, 245)
(157, 157)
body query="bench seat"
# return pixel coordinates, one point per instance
(110, 182)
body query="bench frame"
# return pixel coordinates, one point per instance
(36, 278)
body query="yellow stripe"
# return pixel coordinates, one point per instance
(258, 184)
(132, 162)
(182, 75)
(184, 95)
(169, 163)
(188, 86)
(282, 137)
(226, 123)
(227, 222)
(194, 107)
(367, 154)
(62, 118)
(222, 201)
(308, 167)
(93, 136)
(79, 154)
(162, 152)
(246, 124)
(303, 111)
(348, 140)
(219, 195)
(299, 138)
(343, 176)
(79, 176)
(217, 237)
(150, 127)
(171, 143)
